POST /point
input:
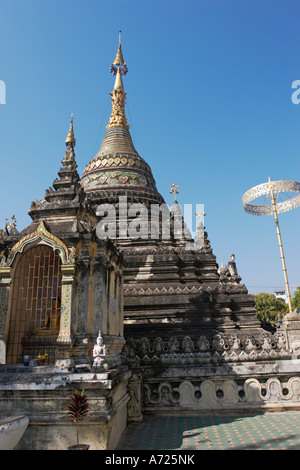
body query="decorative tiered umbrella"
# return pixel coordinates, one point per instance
(284, 192)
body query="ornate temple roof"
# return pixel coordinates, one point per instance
(62, 200)
(117, 169)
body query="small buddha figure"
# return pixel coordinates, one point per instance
(99, 352)
(52, 320)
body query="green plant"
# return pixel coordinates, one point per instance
(78, 408)
(296, 299)
(269, 308)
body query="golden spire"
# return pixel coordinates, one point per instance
(70, 138)
(174, 190)
(119, 60)
(118, 96)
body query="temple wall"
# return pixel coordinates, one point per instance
(226, 372)
(215, 389)
(43, 397)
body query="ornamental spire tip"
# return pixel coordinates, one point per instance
(70, 138)
(118, 68)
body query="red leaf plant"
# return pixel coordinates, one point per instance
(78, 408)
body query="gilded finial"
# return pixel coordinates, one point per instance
(200, 214)
(70, 138)
(174, 190)
(118, 96)
(119, 61)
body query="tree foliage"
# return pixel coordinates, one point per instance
(296, 299)
(269, 308)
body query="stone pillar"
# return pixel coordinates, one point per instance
(5, 282)
(2, 352)
(112, 315)
(4, 291)
(291, 323)
(81, 305)
(98, 302)
(97, 296)
(63, 358)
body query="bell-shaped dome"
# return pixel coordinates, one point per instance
(117, 169)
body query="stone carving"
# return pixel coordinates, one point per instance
(220, 348)
(229, 274)
(187, 344)
(225, 393)
(134, 406)
(99, 353)
(158, 345)
(203, 343)
(273, 390)
(187, 393)
(130, 353)
(10, 228)
(228, 288)
(162, 394)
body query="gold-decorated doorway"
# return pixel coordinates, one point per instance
(35, 305)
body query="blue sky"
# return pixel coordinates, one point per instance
(208, 103)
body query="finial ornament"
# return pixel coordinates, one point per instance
(118, 96)
(119, 61)
(70, 137)
(174, 190)
(200, 214)
(12, 224)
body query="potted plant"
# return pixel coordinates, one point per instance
(78, 408)
(41, 359)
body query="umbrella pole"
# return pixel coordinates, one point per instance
(281, 248)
